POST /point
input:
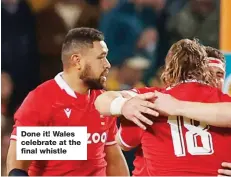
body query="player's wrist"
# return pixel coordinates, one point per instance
(117, 105)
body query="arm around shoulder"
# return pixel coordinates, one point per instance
(216, 114)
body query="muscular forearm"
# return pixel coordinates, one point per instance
(116, 163)
(103, 102)
(217, 114)
(130, 105)
(117, 169)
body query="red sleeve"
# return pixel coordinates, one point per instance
(32, 112)
(129, 134)
(112, 133)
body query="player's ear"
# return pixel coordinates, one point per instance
(76, 60)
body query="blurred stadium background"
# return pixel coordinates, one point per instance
(138, 34)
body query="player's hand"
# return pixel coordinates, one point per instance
(165, 104)
(226, 171)
(134, 107)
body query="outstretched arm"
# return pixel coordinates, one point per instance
(115, 103)
(103, 102)
(217, 114)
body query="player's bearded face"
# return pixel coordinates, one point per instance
(93, 81)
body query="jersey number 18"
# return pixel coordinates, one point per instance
(192, 134)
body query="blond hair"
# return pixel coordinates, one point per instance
(186, 60)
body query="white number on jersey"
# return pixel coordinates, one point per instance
(96, 138)
(193, 131)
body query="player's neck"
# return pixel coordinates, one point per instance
(74, 83)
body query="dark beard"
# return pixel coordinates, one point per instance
(93, 84)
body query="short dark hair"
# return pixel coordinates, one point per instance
(80, 37)
(215, 53)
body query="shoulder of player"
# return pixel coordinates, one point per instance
(210, 93)
(45, 90)
(213, 91)
(38, 101)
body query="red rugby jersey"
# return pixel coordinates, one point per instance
(177, 145)
(54, 103)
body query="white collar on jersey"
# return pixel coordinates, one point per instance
(186, 81)
(63, 85)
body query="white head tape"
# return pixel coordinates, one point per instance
(216, 62)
